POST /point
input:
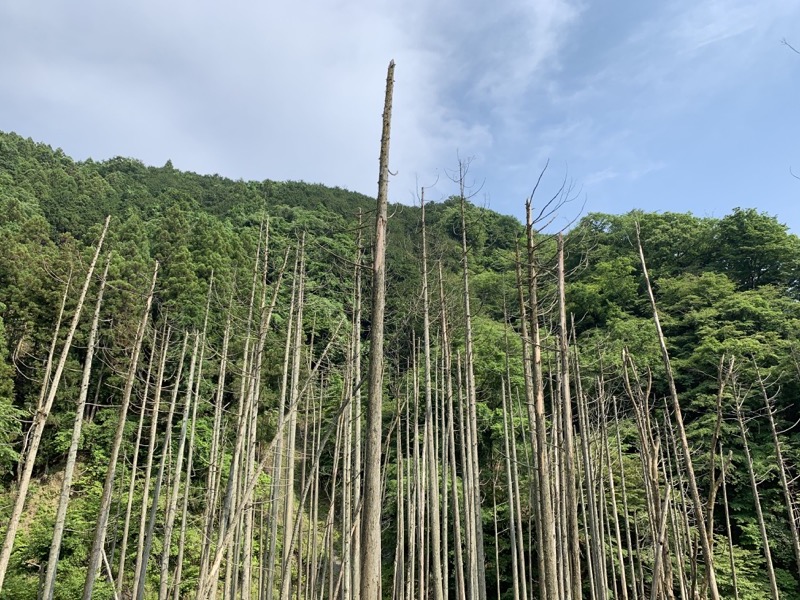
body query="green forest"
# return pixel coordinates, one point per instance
(184, 361)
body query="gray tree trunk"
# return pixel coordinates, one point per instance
(370, 584)
(95, 555)
(42, 413)
(72, 453)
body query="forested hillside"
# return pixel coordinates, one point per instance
(182, 394)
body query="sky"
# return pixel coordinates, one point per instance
(687, 105)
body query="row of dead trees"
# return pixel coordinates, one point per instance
(302, 496)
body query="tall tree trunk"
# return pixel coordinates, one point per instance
(105, 501)
(448, 370)
(172, 504)
(695, 493)
(189, 460)
(787, 494)
(40, 418)
(430, 422)
(357, 445)
(72, 453)
(722, 380)
(626, 512)
(762, 528)
(536, 414)
(214, 470)
(512, 521)
(570, 497)
(593, 544)
(478, 560)
(141, 574)
(734, 582)
(291, 433)
(615, 510)
(518, 505)
(530, 403)
(370, 584)
(132, 483)
(154, 420)
(205, 587)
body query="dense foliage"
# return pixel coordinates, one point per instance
(725, 287)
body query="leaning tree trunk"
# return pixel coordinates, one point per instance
(40, 419)
(695, 493)
(144, 558)
(762, 528)
(787, 494)
(154, 421)
(72, 454)
(105, 501)
(370, 584)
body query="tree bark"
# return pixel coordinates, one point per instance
(72, 453)
(695, 493)
(105, 501)
(370, 584)
(40, 418)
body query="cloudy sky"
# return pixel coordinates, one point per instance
(687, 105)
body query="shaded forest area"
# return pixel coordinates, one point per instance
(182, 393)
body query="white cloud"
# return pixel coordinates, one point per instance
(295, 91)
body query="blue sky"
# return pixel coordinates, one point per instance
(668, 106)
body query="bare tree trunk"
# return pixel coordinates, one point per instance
(189, 460)
(457, 544)
(399, 552)
(518, 506)
(150, 452)
(584, 522)
(172, 505)
(292, 428)
(722, 379)
(214, 470)
(141, 573)
(205, 586)
(419, 486)
(530, 403)
(571, 501)
(69, 468)
(430, 421)
(42, 413)
(626, 513)
(615, 510)
(773, 584)
(659, 545)
(132, 483)
(787, 495)
(357, 445)
(48, 371)
(728, 527)
(695, 493)
(370, 584)
(593, 543)
(496, 536)
(235, 478)
(105, 501)
(536, 414)
(347, 475)
(277, 473)
(512, 521)
(478, 561)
